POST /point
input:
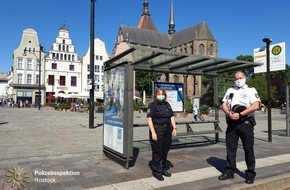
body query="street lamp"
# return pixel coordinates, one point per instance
(39, 71)
(268, 41)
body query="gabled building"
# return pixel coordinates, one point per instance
(27, 70)
(62, 67)
(196, 40)
(100, 56)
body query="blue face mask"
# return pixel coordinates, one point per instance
(160, 98)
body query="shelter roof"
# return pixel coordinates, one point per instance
(165, 61)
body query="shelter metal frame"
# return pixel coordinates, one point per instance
(139, 58)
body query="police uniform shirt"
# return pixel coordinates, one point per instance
(243, 96)
(160, 112)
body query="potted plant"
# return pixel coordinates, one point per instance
(204, 110)
(138, 106)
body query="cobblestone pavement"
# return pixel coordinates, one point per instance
(59, 151)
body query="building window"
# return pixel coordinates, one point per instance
(201, 49)
(97, 57)
(62, 80)
(50, 79)
(37, 79)
(29, 79)
(29, 64)
(37, 66)
(73, 81)
(191, 49)
(97, 87)
(65, 56)
(88, 79)
(20, 63)
(176, 79)
(53, 66)
(71, 67)
(19, 78)
(67, 48)
(88, 68)
(63, 41)
(97, 78)
(97, 68)
(69, 57)
(211, 49)
(101, 58)
(59, 47)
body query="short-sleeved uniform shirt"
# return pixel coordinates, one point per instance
(243, 96)
(160, 112)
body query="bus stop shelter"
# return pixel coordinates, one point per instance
(119, 89)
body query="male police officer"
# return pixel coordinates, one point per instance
(239, 105)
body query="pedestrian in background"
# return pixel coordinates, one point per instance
(239, 104)
(195, 112)
(162, 128)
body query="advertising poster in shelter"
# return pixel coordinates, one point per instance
(174, 93)
(114, 107)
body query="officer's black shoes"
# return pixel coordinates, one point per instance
(227, 175)
(250, 176)
(158, 176)
(166, 173)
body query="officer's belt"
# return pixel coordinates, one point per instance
(161, 125)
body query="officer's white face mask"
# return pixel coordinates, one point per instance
(240, 82)
(160, 97)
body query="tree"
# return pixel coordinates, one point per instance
(143, 81)
(259, 81)
(250, 71)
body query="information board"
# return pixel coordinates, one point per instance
(174, 93)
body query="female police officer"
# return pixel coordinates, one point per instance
(239, 104)
(162, 128)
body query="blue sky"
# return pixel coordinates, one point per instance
(238, 25)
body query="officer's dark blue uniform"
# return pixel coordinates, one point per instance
(161, 113)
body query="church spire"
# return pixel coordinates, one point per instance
(146, 8)
(146, 21)
(171, 20)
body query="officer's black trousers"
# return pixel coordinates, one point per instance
(244, 131)
(161, 147)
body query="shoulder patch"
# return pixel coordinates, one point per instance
(148, 111)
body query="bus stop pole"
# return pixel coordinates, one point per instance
(287, 110)
(268, 41)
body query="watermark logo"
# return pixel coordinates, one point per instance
(17, 176)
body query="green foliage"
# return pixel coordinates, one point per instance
(204, 109)
(97, 103)
(138, 105)
(65, 105)
(53, 105)
(187, 105)
(143, 81)
(208, 83)
(260, 83)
